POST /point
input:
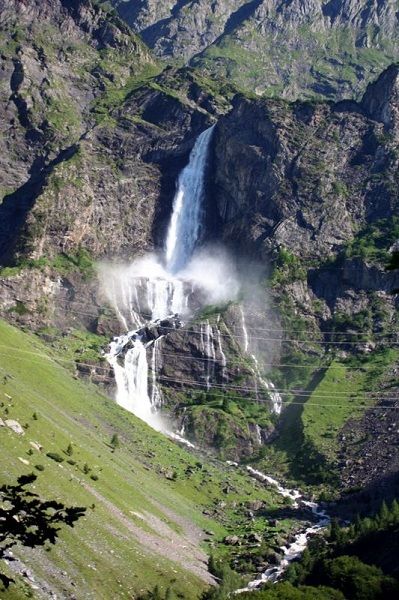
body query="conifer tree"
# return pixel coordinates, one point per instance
(115, 441)
(395, 512)
(383, 517)
(69, 450)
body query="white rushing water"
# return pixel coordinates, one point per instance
(294, 550)
(275, 397)
(187, 216)
(150, 290)
(208, 351)
(220, 347)
(153, 287)
(156, 395)
(131, 378)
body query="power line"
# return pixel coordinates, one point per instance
(289, 403)
(191, 358)
(215, 385)
(267, 339)
(276, 390)
(249, 328)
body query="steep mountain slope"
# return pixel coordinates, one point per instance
(179, 30)
(148, 501)
(291, 49)
(57, 58)
(313, 188)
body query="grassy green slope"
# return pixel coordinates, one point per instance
(141, 528)
(308, 445)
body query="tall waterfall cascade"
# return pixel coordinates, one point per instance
(187, 215)
(158, 287)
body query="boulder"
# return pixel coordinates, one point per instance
(36, 446)
(232, 540)
(15, 426)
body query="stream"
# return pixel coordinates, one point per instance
(293, 550)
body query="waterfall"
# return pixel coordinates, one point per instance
(244, 330)
(208, 351)
(185, 224)
(269, 386)
(165, 297)
(156, 396)
(221, 352)
(131, 378)
(275, 397)
(151, 290)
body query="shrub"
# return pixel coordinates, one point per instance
(55, 456)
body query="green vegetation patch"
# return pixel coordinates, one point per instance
(129, 488)
(338, 397)
(64, 263)
(373, 242)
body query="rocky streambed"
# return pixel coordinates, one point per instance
(293, 549)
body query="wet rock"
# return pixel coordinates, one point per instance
(273, 558)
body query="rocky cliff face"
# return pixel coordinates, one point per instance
(181, 29)
(301, 48)
(313, 188)
(57, 59)
(310, 175)
(88, 150)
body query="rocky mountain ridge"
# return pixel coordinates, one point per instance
(304, 48)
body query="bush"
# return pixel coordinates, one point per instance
(55, 456)
(69, 450)
(39, 467)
